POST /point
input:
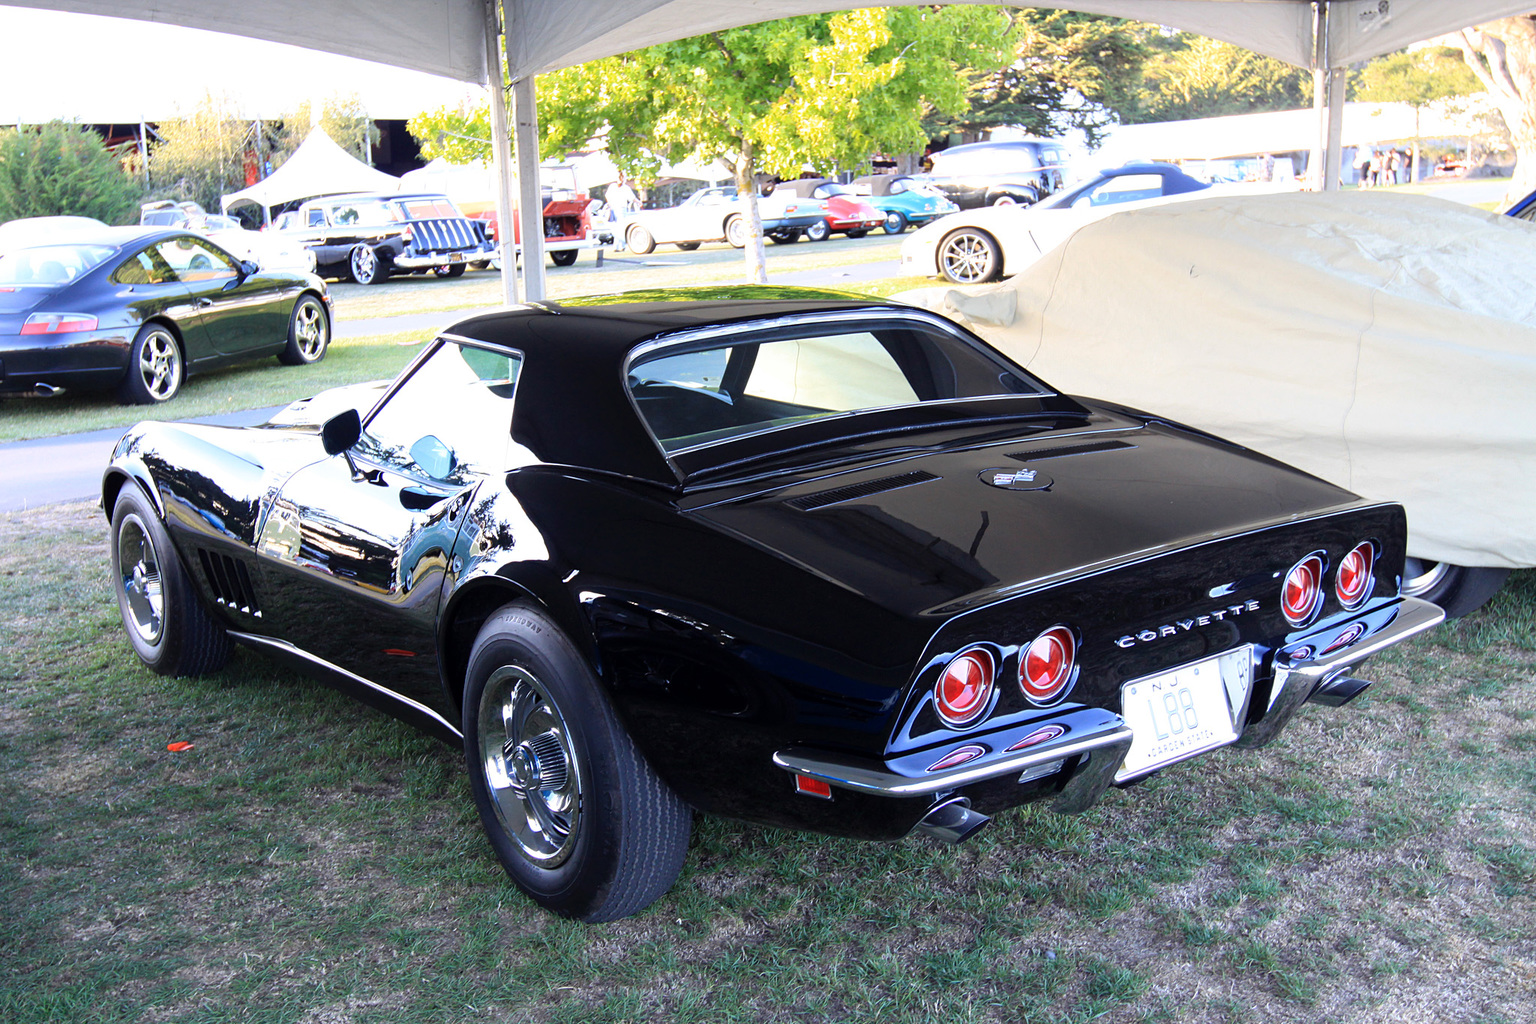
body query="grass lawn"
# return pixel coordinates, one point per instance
(309, 860)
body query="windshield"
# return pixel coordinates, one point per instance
(699, 394)
(371, 213)
(427, 209)
(50, 265)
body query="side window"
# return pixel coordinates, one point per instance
(845, 371)
(144, 267)
(451, 419)
(316, 219)
(1124, 188)
(195, 262)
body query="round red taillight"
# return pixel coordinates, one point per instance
(1302, 593)
(1047, 665)
(1353, 583)
(964, 688)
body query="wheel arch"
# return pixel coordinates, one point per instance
(117, 476)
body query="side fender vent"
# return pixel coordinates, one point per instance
(821, 499)
(1063, 451)
(230, 582)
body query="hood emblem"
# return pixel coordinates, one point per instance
(1017, 479)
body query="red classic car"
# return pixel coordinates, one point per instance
(846, 212)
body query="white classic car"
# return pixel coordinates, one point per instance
(718, 214)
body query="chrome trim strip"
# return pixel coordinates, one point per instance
(1295, 683)
(283, 647)
(866, 777)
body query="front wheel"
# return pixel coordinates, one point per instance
(819, 232)
(563, 257)
(309, 333)
(1458, 589)
(367, 266)
(638, 240)
(155, 367)
(895, 222)
(968, 256)
(576, 816)
(170, 629)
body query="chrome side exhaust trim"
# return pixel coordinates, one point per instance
(952, 821)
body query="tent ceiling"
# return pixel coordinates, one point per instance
(445, 37)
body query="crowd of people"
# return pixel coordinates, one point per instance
(1375, 167)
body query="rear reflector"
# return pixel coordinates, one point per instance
(960, 755)
(813, 787)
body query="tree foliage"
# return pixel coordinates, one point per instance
(200, 157)
(53, 169)
(1502, 55)
(1189, 76)
(1415, 77)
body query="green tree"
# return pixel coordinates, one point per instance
(343, 118)
(1070, 71)
(1190, 76)
(1502, 54)
(201, 157)
(52, 169)
(823, 90)
(1417, 78)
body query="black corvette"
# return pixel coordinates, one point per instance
(138, 309)
(830, 564)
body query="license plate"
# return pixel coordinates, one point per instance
(1178, 714)
(455, 257)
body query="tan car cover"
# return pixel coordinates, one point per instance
(1385, 342)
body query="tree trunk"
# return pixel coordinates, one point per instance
(746, 188)
(1502, 54)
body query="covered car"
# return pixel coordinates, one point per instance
(820, 562)
(1385, 342)
(998, 241)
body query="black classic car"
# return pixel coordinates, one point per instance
(1013, 173)
(369, 236)
(825, 563)
(138, 309)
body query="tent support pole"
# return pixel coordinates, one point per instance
(525, 111)
(501, 152)
(1328, 103)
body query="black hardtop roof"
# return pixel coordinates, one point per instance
(573, 406)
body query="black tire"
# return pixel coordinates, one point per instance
(1458, 589)
(563, 258)
(687, 246)
(168, 625)
(309, 333)
(818, 232)
(1005, 200)
(638, 240)
(785, 236)
(366, 265)
(895, 222)
(736, 231)
(156, 367)
(969, 256)
(600, 836)
(857, 233)
(449, 270)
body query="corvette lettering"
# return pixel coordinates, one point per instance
(1147, 636)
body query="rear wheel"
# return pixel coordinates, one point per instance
(309, 333)
(736, 232)
(819, 232)
(785, 236)
(170, 629)
(969, 256)
(638, 240)
(895, 222)
(449, 270)
(576, 816)
(1458, 589)
(367, 266)
(687, 246)
(155, 367)
(563, 257)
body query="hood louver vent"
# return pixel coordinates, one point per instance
(821, 499)
(1063, 451)
(230, 581)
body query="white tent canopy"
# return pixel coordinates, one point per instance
(319, 167)
(456, 38)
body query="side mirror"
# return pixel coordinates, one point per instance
(249, 267)
(341, 431)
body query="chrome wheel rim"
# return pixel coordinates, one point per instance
(309, 329)
(138, 576)
(736, 233)
(363, 261)
(1421, 576)
(530, 768)
(160, 365)
(894, 222)
(967, 258)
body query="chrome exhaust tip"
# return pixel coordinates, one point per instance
(1338, 691)
(953, 821)
(46, 390)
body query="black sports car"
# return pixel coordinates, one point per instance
(138, 309)
(831, 564)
